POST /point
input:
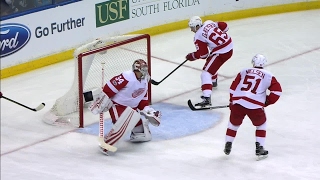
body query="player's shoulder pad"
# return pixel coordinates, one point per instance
(129, 75)
(208, 22)
(267, 73)
(244, 70)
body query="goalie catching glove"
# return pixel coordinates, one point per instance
(152, 115)
(101, 104)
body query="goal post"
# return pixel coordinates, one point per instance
(117, 54)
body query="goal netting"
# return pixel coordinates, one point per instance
(98, 60)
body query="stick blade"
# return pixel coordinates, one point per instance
(106, 146)
(193, 108)
(41, 106)
(191, 105)
(154, 82)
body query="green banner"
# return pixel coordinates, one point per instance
(111, 12)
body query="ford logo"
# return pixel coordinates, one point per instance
(13, 37)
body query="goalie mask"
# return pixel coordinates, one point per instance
(141, 66)
(259, 61)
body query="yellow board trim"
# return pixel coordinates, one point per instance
(36, 64)
(66, 55)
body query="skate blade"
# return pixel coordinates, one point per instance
(261, 157)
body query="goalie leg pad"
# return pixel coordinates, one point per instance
(141, 133)
(100, 104)
(125, 123)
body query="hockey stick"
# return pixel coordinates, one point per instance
(106, 146)
(38, 108)
(204, 108)
(157, 83)
(101, 121)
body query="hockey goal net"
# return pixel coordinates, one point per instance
(95, 63)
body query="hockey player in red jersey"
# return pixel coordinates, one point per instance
(124, 95)
(248, 97)
(213, 44)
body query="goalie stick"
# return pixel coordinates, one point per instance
(101, 120)
(106, 146)
(38, 108)
(191, 106)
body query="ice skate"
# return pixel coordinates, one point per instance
(206, 102)
(227, 148)
(261, 153)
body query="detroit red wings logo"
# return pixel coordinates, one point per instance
(138, 92)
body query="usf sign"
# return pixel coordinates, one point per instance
(111, 11)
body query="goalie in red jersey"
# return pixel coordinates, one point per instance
(213, 44)
(248, 97)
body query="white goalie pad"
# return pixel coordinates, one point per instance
(153, 116)
(125, 123)
(141, 133)
(101, 104)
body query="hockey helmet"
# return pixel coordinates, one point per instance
(141, 66)
(259, 61)
(195, 22)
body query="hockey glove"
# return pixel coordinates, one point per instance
(190, 57)
(230, 105)
(230, 101)
(267, 102)
(152, 115)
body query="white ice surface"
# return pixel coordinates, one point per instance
(32, 150)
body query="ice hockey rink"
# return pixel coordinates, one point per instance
(188, 145)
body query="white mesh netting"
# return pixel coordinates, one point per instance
(114, 55)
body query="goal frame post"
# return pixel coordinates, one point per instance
(105, 48)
